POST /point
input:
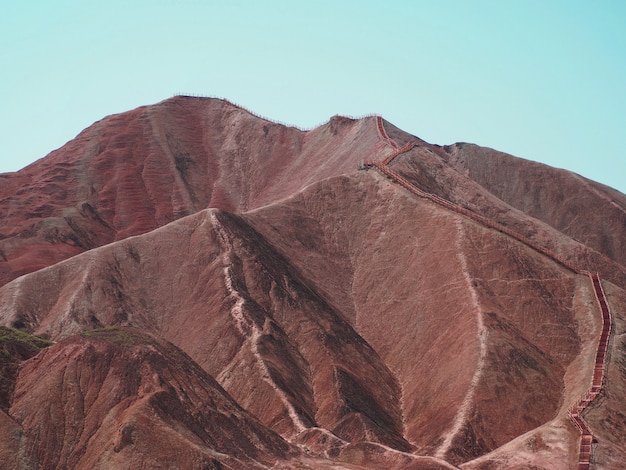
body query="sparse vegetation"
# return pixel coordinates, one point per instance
(10, 338)
(15, 347)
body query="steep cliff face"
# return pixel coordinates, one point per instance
(228, 292)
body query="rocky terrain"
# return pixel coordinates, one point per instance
(188, 285)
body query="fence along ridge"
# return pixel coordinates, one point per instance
(271, 120)
(597, 380)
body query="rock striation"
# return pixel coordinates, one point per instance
(227, 292)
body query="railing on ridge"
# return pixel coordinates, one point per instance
(383, 132)
(575, 412)
(383, 168)
(597, 380)
(271, 120)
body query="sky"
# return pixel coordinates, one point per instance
(543, 80)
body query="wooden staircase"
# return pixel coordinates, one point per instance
(575, 411)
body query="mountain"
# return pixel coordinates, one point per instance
(222, 291)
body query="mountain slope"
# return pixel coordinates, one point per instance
(136, 171)
(365, 325)
(113, 398)
(557, 197)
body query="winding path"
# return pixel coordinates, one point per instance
(575, 412)
(599, 370)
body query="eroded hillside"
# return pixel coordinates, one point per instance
(224, 291)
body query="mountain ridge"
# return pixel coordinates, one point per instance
(343, 312)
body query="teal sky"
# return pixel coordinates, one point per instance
(543, 80)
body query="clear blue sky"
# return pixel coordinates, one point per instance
(544, 80)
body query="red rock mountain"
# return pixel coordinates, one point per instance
(222, 291)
